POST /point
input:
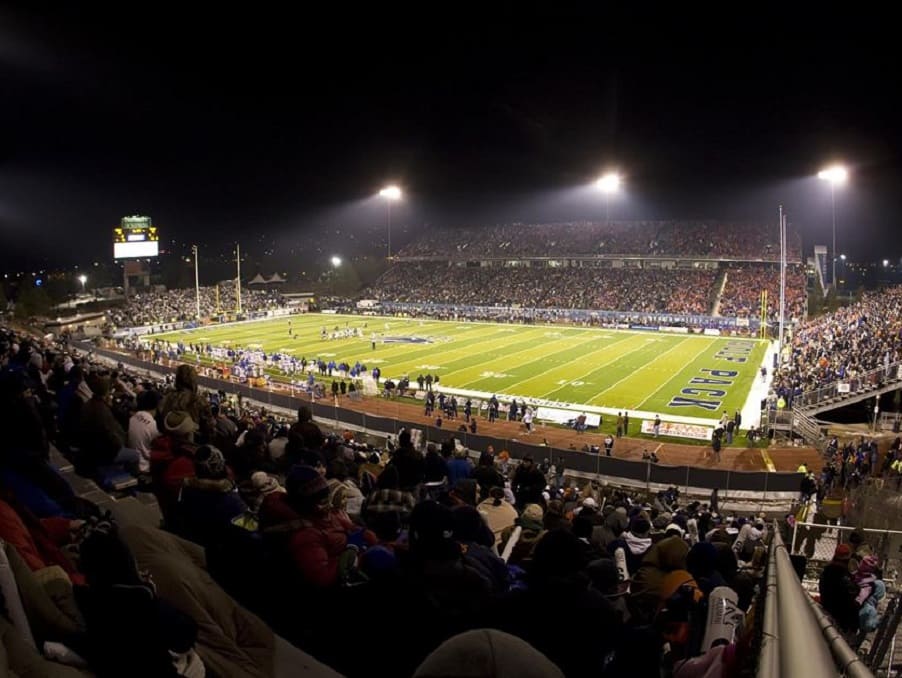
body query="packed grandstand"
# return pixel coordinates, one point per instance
(312, 531)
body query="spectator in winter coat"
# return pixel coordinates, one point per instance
(460, 467)
(838, 591)
(532, 529)
(557, 585)
(315, 537)
(635, 542)
(486, 475)
(172, 460)
(648, 582)
(185, 398)
(208, 502)
(497, 513)
(102, 437)
(528, 483)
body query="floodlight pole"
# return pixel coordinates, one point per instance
(782, 283)
(196, 281)
(388, 202)
(238, 275)
(833, 209)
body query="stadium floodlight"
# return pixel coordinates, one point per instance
(336, 262)
(836, 175)
(82, 279)
(608, 184)
(391, 194)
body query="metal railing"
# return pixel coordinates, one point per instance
(818, 542)
(796, 422)
(792, 622)
(849, 388)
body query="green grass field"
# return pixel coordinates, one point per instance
(671, 374)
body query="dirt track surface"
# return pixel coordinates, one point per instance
(732, 458)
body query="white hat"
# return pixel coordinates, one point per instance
(589, 502)
(674, 526)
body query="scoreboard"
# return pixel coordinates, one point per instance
(136, 237)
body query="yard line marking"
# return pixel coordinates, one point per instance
(688, 364)
(531, 349)
(599, 365)
(632, 374)
(556, 367)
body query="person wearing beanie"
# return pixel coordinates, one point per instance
(474, 535)
(208, 502)
(665, 557)
(864, 578)
(486, 653)
(487, 476)
(528, 483)
(532, 529)
(316, 537)
(839, 592)
(615, 523)
(635, 542)
(497, 513)
(557, 585)
(388, 502)
(445, 590)
(172, 460)
(463, 493)
(554, 516)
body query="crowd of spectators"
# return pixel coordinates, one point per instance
(172, 306)
(314, 532)
(630, 289)
(589, 287)
(708, 239)
(741, 296)
(843, 345)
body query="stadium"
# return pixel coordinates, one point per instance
(313, 372)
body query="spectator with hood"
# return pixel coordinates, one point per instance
(635, 542)
(102, 437)
(185, 398)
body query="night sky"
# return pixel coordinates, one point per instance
(275, 127)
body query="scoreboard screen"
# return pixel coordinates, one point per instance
(136, 242)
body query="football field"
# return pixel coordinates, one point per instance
(671, 374)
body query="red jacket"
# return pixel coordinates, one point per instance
(171, 461)
(313, 544)
(35, 540)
